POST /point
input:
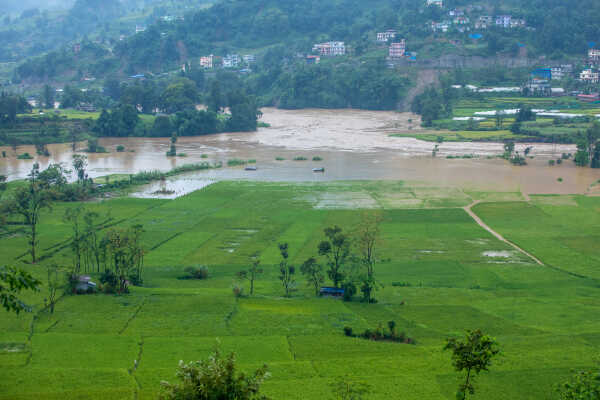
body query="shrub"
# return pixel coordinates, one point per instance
(348, 331)
(559, 161)
(251, 161)
(120, 148)
(300, 158)
(349, 290)
(551, 162)
(317, 158)
(215, 378)
(204, 156)
(235, 162)
(279, 159)
(238, 291)
(110, 282)
(24, 156)
(200, 273)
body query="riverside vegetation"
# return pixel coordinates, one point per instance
(454, 276)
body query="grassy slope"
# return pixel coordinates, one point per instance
(544, 318)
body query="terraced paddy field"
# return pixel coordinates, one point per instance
(441, 272)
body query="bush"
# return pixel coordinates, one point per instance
(317, 158)
(300, 158)
(215, 378)
(348, 331)
(24, 156)
(349, 290)
(204, 156)
(236, 162)
(551, 162)
(200, 273)
(238, 291)
(110, 282)
(559, 161)
(120, 148)
(279, 159)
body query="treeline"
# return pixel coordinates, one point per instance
(10, 106)
(185, 119)
(370, 86)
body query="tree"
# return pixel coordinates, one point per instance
(53, 286)
(345, 390)
(92, 246)
(12, 282)
(80, 164)
(499, 119)
(48, 97)
(313, 272)
(473, 355)
(29, 201)
(583, 385)
(215, 98)
(588, 144)
(179, 96)
(366, 239)
(286, 270)
(73, 216)
(215, 379)
(251, 274)
(337, 250)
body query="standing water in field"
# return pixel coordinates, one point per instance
(348, 144)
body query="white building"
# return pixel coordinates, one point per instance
(589, 76)
(330, 49)
(484, 22)
(398, 49)
(249, 58)
(439, 3)
(207, 62)
(387, 35)
(440, 26)
(231, 61)
(503, 21)
(139, 29)
(594, 54)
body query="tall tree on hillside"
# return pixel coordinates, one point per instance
(336, 249)
(12, 282)
(28, 202)
(73, 217)
(287, 271)
(48, 97)
(473, 355)
(313, 271)
(588, 144)
(251, 274)
(366, 240)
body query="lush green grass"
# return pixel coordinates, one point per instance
(545, 318)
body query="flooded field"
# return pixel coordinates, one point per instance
(353, 145)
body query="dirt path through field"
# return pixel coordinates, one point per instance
(498, 236)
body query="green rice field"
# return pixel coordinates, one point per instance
(441, 274)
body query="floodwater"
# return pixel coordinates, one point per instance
(353, 144)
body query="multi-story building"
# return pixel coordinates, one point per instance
(589, 75)
(461, 20)
(398, 49)
(503, 21)
(139, 29)
(390, 34)
(594, 55)
(440, 26)
(439, 3)
(207, 62)
(231, 61)
(456, 13)
(516, 23)
(560, 72)
(249, 58)
(484, 22)
(330, 49)
(313, 59)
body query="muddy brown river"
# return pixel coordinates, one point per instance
(353, 144)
